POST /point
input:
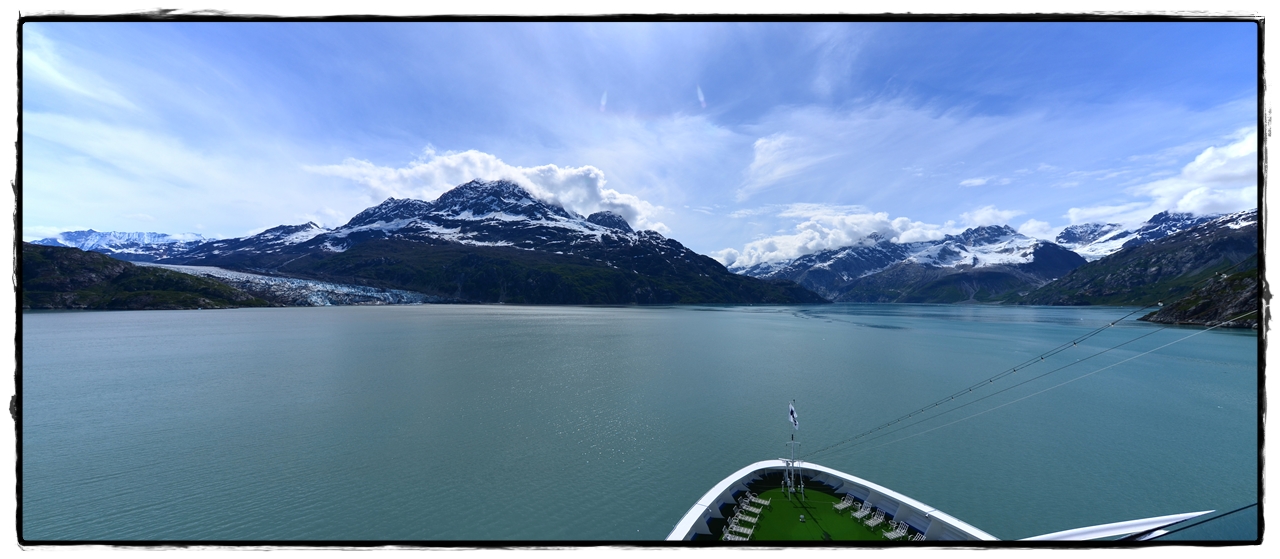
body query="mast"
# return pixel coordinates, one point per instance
(793, 476)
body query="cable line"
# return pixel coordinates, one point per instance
(1001, 391)
(1220, 516)
(1060, 384)
(988, 381)
(1023, 365)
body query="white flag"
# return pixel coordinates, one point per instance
(794, 422)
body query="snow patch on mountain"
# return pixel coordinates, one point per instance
(978, 247)
(94, 240)
(1094, 241)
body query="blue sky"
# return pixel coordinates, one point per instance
(744, 141)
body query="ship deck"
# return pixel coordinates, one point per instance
(780, 520)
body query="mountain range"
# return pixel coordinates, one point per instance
(484, 242)
(1163, 269)
(1096, 240)
(496, 242)
(981, 264)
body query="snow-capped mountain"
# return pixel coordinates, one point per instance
(493, 241)
(1081, 235)
(271, 241)
(478, 213)
(498, 213)
(1095, 240)
(879, 270)
(994, 250)
(827, 271)
(1160, 269)
(136, 246)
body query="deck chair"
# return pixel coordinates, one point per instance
(862, 511)
(919, 537)
(875, 520)
(741, 529)
(757, 500)
(844, 503)
(899, 530)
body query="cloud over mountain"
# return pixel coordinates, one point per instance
(580, 189)
(825, 226)
(1222, 179)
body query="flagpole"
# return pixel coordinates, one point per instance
(796, 473)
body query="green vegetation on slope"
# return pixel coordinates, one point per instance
(510, 275)
(70, 278)
(1223, 300)
(1163, 270)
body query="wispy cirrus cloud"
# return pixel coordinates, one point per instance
(777, 157)
(42, 64)
(1222, 178)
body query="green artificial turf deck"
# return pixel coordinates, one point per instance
(780, 520)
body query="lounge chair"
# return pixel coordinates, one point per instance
(899, 530)
(863, 510)
(732, 537)
(741, 529)
(919, 537)
(844, 503)
(758, 500)
(875, 520)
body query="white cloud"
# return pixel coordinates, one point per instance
(135, 151)
(777, 157)
(836, 51)
(979, 181)
(1038, 229)
(41, 63)
(825, 227)
(37, 232)
(989, 215)
(1125, 214)
(1221, 179)
(579, 189)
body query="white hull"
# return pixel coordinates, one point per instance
(933, 523)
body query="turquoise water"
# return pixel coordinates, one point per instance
(444, 422)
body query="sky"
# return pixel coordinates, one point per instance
(745, 141)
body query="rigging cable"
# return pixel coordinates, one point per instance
(1218, 517)
(1030, 362)
(988, 381)
(1062, 383)
(1001, 391)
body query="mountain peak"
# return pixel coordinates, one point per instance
(984, 235)
(611, 220)
(1083, 234)
(480, 198)
(391, 209)
(1169, 217)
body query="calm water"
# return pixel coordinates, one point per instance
(498, 422)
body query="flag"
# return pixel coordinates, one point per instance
(794, 422)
